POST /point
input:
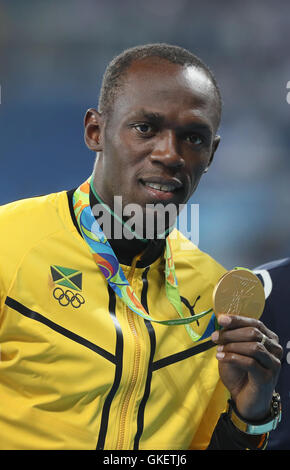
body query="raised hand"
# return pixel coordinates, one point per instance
(249, 357)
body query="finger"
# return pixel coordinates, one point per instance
(237, 321)
(271, 345)
(267, 332)
(239, 335)
(243, 329)
(244, 363)
(252, 366)
(248, 335)
(253, 350)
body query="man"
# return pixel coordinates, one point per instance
(275, 278)
(93, 352)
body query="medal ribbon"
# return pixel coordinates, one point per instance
(109, 265)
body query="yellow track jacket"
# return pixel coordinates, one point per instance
(78, 369)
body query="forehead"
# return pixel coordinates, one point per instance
(173, 90)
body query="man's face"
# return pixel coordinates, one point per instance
(160, 136)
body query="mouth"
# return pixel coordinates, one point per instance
(163, 189)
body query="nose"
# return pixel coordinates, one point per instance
(166, 151)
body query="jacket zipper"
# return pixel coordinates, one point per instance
(136, 365)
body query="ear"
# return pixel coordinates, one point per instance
(93, 130)
(215, 145)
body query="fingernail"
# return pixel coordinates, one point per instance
(215, 336)
(220, 348)
(220, 355)
(224, 320)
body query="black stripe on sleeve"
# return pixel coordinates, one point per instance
(20, 308)
(118, 372)
(140, 417)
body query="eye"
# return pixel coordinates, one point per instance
(144, 129)
(194, 139)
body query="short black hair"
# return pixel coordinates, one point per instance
(115, 71)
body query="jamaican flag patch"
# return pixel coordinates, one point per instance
(68, 277)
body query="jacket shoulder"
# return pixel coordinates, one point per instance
(24, 224)
(185, 252)
(29, 219)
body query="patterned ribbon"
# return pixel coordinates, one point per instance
(109, 265)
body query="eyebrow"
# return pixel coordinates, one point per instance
(158, 119)
(196, 126)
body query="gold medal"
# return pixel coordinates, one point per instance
(239, 292)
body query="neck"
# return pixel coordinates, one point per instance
(125, 247)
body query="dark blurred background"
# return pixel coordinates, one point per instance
(52, 58)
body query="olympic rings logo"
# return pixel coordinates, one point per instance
(68, 297)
